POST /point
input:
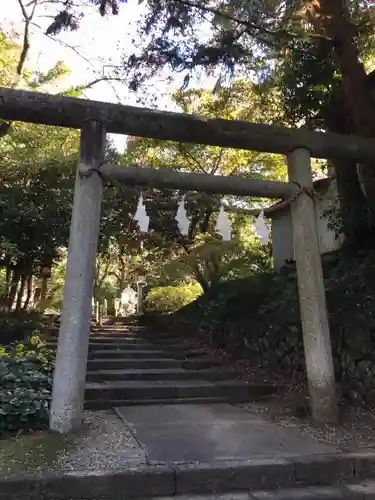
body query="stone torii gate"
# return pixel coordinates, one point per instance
(95, 119)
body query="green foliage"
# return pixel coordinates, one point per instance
(18, 326)
(33, 350)
(36, 189)
(25, 385)
(231, 310)
(260, 317)
(210, 260)
(172, 298)
(33, 79)
(242, 100)
(307, 78)
(202, 256)
(36, 186)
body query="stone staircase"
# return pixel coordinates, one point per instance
(132, 368)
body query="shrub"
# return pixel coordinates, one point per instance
(172, 298)
(18, 326)
(259, 318)
(35, 351)
(25, 387)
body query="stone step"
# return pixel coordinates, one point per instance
(140, 343)
(145, 353)
(312, 477)
(233, 391)
(128, 335)
(110, 346)
(101, 404)
(137, 346)
(163, 341)
(356, 491)
(119, 338)
(122, 354)
(161, 374)
(144, 364)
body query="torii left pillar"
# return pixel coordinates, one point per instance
(72, 350)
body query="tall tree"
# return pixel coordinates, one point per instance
(36, 188)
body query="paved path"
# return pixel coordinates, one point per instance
(211, 433)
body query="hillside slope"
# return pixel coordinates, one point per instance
(258, 318)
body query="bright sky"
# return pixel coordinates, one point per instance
(95, 47)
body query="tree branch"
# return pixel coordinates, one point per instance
(26, 42)
(99, 80)
(252, 26)
(217, 162)
(182, 149)
(71, 47)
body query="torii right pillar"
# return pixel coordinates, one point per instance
(313, 307)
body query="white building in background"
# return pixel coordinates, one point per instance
(281, 224)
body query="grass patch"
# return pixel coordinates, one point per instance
(31, 452)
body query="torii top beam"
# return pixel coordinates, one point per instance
(59, 110)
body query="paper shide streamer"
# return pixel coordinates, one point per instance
(141, 216)
(181, 217)
(261, 229)
(222, 224)
(183, 221)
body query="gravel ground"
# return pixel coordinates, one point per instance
(355, 432)
(104, 443)
(287, 408)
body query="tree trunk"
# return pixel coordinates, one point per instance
(121, 274)
(16, 275)
(43, 294)
(8, 279)
(357, 227)
(206, 220)
(29, 292)
(333, 18)
(20, 293)
(5, 294)
(353, 203)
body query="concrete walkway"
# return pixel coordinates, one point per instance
(211, 433)
(179, 406)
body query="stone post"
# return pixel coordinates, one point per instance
(139, 297)
(97, 311)
(117, 307)
(72, 350)
(314, 318)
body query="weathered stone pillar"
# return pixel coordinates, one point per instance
(71, 358)
(140, 304)
(316, 335)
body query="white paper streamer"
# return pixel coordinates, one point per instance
(181, 217)
(261, 229)
(141, 216)
(222, 224)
